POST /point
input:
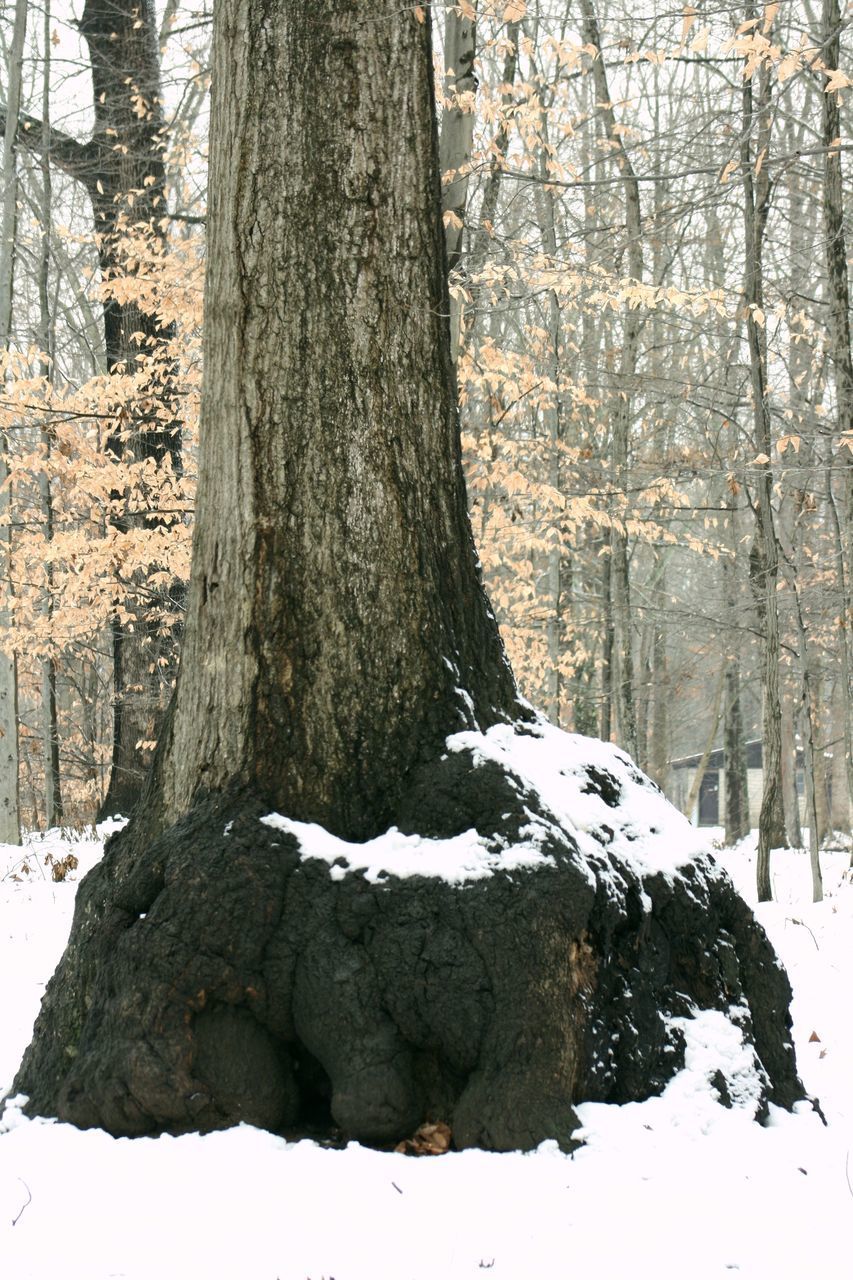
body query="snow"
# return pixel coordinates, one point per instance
(673, 1188)
(464, 857)
(644, 831)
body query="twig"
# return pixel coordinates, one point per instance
(29, 1200)
(794, 920)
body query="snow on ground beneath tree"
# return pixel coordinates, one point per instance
(593, 790)
(678, 1186)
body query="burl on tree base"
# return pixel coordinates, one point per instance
(220, 976)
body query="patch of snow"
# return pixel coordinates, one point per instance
(714, 1043)
(645, 830)
(457, 860)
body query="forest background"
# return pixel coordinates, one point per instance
(647, 220)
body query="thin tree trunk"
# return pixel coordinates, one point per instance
(50, 730)
(607, 646)
(500, 149)
(660, 753)
(789, 775)
(756, 185)
(735, 772)
(622, 406)
(714, 722)
(841, 360)
(122, 168)
(457, 137)
(547, 218)
(122, 39)
(10, 824)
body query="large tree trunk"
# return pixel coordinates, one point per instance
(341, 602)
(218, 969)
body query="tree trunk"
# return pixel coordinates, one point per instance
(607, 646)
(692, 804)
(367, 672)
(839, 818)
(125, 177)
(457, 136)
(10, 823)
(122, 169)
(660, 751)
(337, 635)
(756, 185)
(841, 361)
(47, 342)
(626, 715)
(734, 751)
(789, 775)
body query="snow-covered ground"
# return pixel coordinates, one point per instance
(677, 1188)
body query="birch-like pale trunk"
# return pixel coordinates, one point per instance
(10, 824)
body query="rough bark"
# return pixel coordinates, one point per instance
(335, 594)
(337, 634)
(306, 1000)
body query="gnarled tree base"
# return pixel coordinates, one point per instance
(219, 976)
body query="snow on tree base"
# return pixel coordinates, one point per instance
(539, 929)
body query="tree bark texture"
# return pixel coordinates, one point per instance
(335, 608)
(220, 978)
(337, 634)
